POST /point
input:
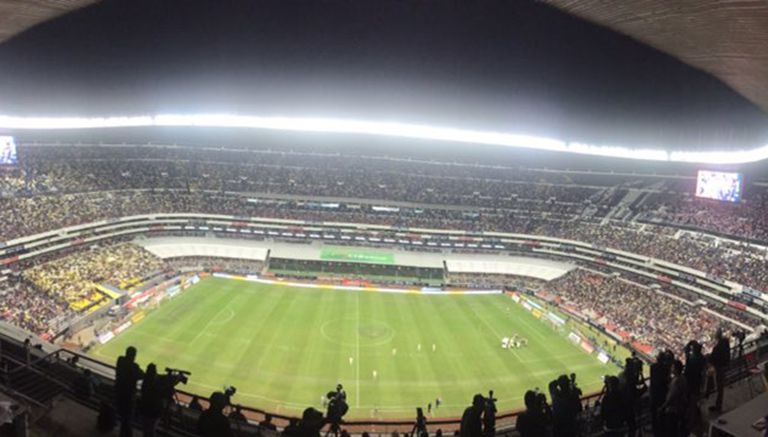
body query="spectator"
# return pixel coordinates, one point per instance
(535, 420)
(212, 422)
(85, 385)
(194, 404)
(566, 406)
(237, 415)
(660, 377)
(267, 423)
(127, 375)
(675, 407)
(612, 408)
(719, 359)
(151, 400)
(471, 420)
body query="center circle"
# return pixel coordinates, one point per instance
(370, 332)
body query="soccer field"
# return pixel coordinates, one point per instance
(283, 347)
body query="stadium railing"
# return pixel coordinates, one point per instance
(39, 376)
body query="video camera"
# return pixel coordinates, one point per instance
(337, 407)
(177, 375)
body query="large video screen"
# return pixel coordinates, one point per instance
(719, 185)
(8, 151)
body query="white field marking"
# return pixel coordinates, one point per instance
(357, 354)
(226, 319)
(208, 325)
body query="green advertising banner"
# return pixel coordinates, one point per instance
(357, 256)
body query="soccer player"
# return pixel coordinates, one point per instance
(434, 347)
(375, 374)
(351, 360)
(418, 347)
(394, 351)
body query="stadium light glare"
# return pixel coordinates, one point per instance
(389, 129)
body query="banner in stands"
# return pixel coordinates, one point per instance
(574, 338)
(555, 318)
(105, 337)
(328, 254)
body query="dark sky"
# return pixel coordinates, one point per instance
(508, 65)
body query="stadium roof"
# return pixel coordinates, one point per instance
(726, 39)
(17, 16)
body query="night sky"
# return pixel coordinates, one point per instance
(507, 65)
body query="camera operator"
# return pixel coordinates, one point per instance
(719, 360)
(127, 375)
(471, 421)
(337, 408)
(420, 427)
(213, 422)
(489, 415)
(535, 420)
(612, 408)
(566, 406)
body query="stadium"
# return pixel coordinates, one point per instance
(283, 271)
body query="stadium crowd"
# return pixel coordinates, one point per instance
(649, 317)
(75, 278)
(26, 216)
(23, 305)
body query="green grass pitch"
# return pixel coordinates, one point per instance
(283, 347)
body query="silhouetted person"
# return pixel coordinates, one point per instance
(612, 408)
(127, 374)
(151, 401)
(719, 359)
(85, 385)
(534, 421)
(237, 415)
(194, 404)
(695, 368)
(213, 422)
(267, 423)
(565, 407)
(675, 407)
(660, 377)
(489, 416)
(471, 421)
(309, 426)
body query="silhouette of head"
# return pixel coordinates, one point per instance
(130, 353)
(478, 401)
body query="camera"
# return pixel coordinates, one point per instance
(177, 375)
(337, 407)
(420, 427)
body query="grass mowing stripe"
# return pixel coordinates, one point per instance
(283, 347)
